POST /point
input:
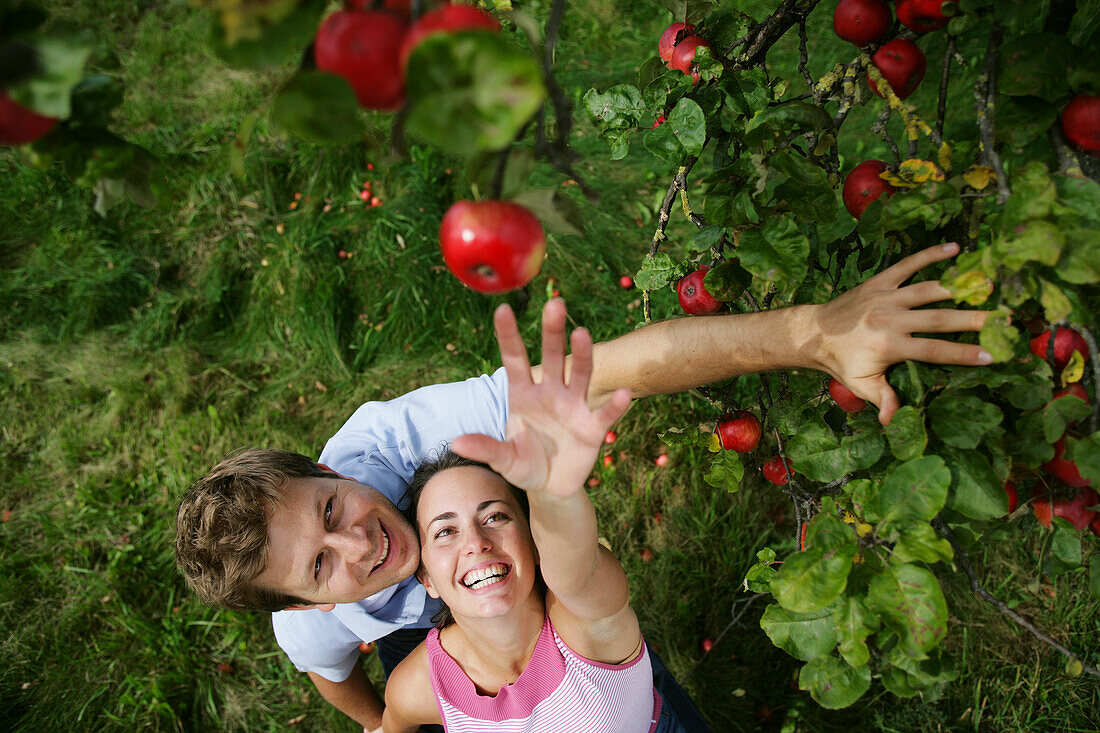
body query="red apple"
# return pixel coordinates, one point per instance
(902, 65)
(626, 282)
(396, 6)
(693, 295)
(862, 21)
(657, 122)
(608, 460)
(1066, 341)
(366, 647)
(19, 125)
(1064, 469)
(1096, 525)
(669, 38)
(706, 645)
(774, 471)
(739, 431)
(863, 185)
(647, 554)
(845, 398)
(922, 16)
(363, 47)
(683, 56)
(445, 19)
(1081, 122)
(1077, 390)
(1076, 510)
(661, 460)
(611, 437)
(1013, 496)
(492, 246)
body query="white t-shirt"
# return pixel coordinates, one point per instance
(380, 446)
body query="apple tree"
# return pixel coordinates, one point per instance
(874, 130)
(979, 113)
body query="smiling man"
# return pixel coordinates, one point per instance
(329, 551)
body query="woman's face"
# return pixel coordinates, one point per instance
(476, 548)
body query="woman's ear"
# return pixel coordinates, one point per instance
(426, 581)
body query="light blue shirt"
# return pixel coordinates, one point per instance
(380, 446)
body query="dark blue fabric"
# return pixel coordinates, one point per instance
(395, 647)
(678, 711)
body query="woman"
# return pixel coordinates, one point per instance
(543, 637)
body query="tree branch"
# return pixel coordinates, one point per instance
(964, 562)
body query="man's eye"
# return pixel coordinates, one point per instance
(328, 511)
(317, 566)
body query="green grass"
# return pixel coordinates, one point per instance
(137, 350)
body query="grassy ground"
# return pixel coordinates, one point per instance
(135, 351)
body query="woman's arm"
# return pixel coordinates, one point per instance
(410, 699)
(552, 442)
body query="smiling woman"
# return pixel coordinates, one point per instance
(516, 653)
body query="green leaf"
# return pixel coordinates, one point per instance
(1027, 67)
(1023, 119)
(918, 542)
(746, 92)
(853, 626)
(998, 336)
(912, 491)
(683, 134)
(1030, 445)
(758, 578)
(1060, 413)
(1038, 240)
(906, 676)
(976, 492)
(726, 471)
(274, 40)
(812, 579)
(832, 683)
(777, 252)
(318, 106)
(910, 602)
(804, 636)
(772, 124)
(94, 98)
(906, 433)
(823, 456)
(677, 436)
(60, 67)
(961, 421)
(932, 204)
(1086, 454)
(471, 91)
(1033, 195)
(618, 108)
(1094, 575)
(1080, 262)
(706, 238)
(727, 280)
(1082, 195)
(554, 208)
(1065, 548)
(657, 271)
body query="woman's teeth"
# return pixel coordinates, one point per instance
(485, 576)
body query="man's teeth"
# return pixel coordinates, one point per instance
(385, 549)
(485, 576)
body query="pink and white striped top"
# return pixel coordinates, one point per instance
(558, 692)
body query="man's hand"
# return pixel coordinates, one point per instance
(864, 331)
(553, 436)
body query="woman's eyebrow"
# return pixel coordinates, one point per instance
(443, 516)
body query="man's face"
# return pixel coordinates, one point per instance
(334, 540)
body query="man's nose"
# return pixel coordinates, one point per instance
(351, 544)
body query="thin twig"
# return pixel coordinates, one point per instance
(984, 92)
(941, 108)
(975, 585)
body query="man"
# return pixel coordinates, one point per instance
(327, 544)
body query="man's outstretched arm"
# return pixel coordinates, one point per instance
(854, 337)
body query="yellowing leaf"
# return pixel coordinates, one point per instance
(920, 171)
(1075, 369)
(863, 529)
(972, 287)
(715, 443)
(848, 518)
(943, 156)
(1056, 305)
(979, 177)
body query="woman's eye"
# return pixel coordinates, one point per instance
(442, 533)
(496, 516)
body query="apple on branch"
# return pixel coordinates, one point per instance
(1066, 341)
(924, 16)
(739, 431)
(845, 398)
(862, 21)
(670, 37)
(902, 64)
(1081, 122)
(445, 19)
(363, 47)
(863, 185)
(492, 246)
(693, 295)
